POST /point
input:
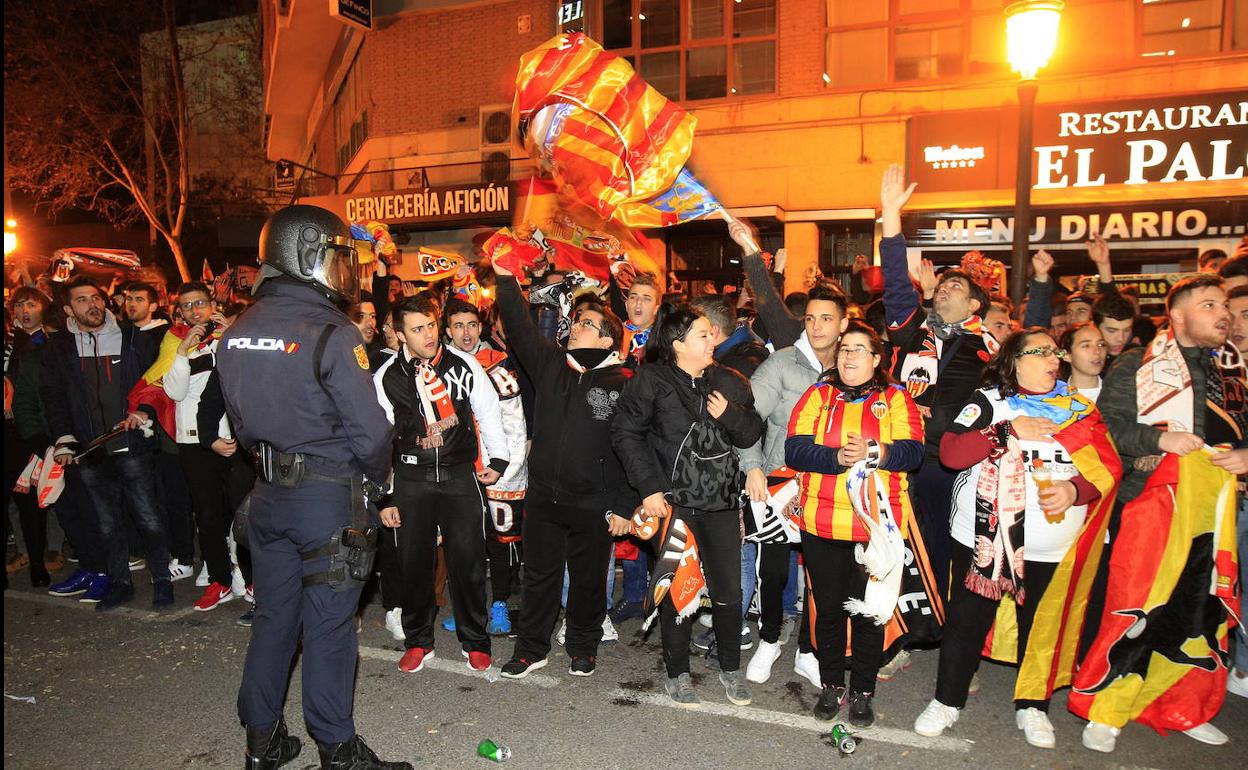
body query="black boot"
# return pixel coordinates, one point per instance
(272, 748)
(354, 755)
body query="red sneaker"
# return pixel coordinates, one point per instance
(414, 659)
(478, 661)
(213, 595)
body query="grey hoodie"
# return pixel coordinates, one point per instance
(777, 384)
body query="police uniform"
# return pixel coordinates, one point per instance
(294, 375)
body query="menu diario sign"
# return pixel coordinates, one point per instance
(1194, 138)
(1189, 220)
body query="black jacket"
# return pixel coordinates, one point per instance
(657, 409)
(63, 385)
(571, 459)
(476, 407)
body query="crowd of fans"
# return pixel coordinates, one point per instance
(543, 440)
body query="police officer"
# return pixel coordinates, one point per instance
(294, 373)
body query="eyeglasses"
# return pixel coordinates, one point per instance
(855, 350)
(195, 303)
(588, 324)
(1042, 352)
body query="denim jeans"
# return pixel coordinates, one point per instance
(637, 577)
(1241, 650)
(749, 575)
(132, 477)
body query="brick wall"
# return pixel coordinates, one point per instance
(427, 71)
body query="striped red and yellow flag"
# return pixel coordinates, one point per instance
(613, 143)
(1053, 645)
(1161, 655)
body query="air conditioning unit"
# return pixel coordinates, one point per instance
(494, 124)
(496, 165)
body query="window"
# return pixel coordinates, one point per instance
(1191, 27)
(873, 42)
(350, 114)
(696, 49)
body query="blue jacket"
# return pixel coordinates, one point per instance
(63, 386)
(265, 363)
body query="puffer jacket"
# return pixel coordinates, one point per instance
(777, 385)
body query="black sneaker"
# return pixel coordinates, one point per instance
(519, 668)
(247, 617)
(704, 640)
(162, 594)
(270, 749)
(830, 702)
(860, 712)
(626, 611)
(118, 594)
(582, 665)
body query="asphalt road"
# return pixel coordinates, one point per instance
(138, 689)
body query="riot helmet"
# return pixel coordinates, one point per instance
(312, 245)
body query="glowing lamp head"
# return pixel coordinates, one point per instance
(1031, 34)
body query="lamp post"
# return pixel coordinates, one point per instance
(10, 236)
(1031, 36)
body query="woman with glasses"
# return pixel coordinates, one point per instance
(1085, 351)
(853, 415)
(675, 430)
(1037, 469)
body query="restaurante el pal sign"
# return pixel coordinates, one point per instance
(1194, 138)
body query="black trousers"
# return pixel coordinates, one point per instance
(208, 478)
(967, 621)
(834, 578)
(773, 578)
(558, 535)
(175, 503)
(931, 491)
(455, 504)
(34, 520)
(1100, 583)
(388, 564)
(718, 537)
(504, 561)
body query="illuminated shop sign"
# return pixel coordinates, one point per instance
(992, 228)
(474, 202)
(1198, 138)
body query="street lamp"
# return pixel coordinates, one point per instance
(1031, 36)
(10, 236)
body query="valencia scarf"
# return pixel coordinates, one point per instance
(884, 554)
(435, 401)
(1166, 396)
(921, 367)
(1001, 495)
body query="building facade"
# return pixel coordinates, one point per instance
(1141, 127)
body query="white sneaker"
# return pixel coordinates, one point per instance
(935, 719)
(1036, 727)
(179, 571)
(609, 634)
(759, 669)
(1100, 737)
(202, 581)
(563, 633)
(1207, 733)
(973, 687)
(137, 563)
(250, 596)
(1237, 685)
(705, 618)
(806, 664)
(238, 586)
(899, 663)
(394, 624)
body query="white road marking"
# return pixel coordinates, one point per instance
(460, 667)
(800, 722)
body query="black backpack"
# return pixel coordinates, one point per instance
(706, 475)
